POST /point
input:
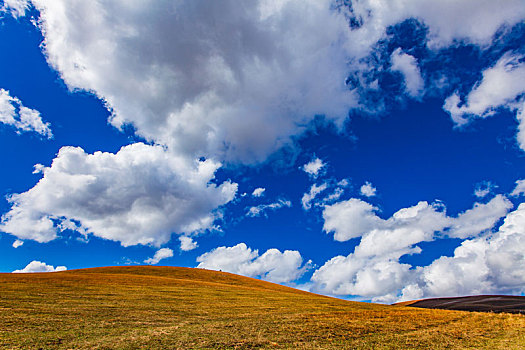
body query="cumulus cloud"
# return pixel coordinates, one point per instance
(489, 264)
(18, 243)
(349, 219)
(23, 119)
(308, 197)
(160, 254)
(368, 190)
(263, 208)
(501, 86)
(374, 269)
(407, 66)
(519, 189)
(222, 80)
(273, 265)
(363, 276)
(198, 70)
(38, 266)
(400, 232)
(355, 218)
(258, 192)
(480, 218)
(314, 168)
(187, 243)
(140, 195)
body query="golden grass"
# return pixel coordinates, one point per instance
(180, 308)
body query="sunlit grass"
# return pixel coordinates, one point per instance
(166, 308)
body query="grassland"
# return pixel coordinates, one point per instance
(180, 308)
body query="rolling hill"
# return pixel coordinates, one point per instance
(183, 308)
(481, 303)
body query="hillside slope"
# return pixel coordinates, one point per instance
(481, 303)
(182, 308)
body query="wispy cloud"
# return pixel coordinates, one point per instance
(263, 208)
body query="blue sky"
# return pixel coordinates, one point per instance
(349, 149)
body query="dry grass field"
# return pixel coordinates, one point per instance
(181, 308)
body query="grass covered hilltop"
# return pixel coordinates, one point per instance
(183, 308)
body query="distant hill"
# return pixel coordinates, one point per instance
(181, 308)
(484, 303)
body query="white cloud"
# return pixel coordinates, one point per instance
(314, 167)
(349, 219)
(374, 270)
(480, 218)
(263, 208)
(258, 192)
(399, 233)
(360, 276)
(187, 243)
(481, 192)
(18, 243)
(506, 254)
(490, 264)
(217, 80)
(355, 218)
(501, 86)
(272, 266)
(337, 193)
(38, 266)
(140, 195)
(14, 113)
(484, 188)
(519, 189)
(308, 197)
(314, 198)
(17, 8)
(520, 117)
(368, 190)
(467, 20)
(343, 183)
(190, 86)
(334, 196)
(407, 66)
(160, 254)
